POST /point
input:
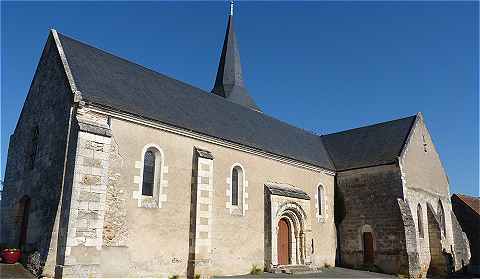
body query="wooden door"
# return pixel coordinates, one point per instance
(283, 242)
(368, 253)
(25, 211)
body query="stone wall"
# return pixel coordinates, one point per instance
(469, 222)
(87, 204)
(156, 241)
(47, 106)
(425, 183)
(414, 268)
(370, 200)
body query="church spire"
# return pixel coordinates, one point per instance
(229, 81)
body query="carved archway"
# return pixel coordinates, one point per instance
(294, 215)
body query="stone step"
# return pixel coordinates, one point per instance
(294, 269)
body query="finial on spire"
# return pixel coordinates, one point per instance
(231, 7)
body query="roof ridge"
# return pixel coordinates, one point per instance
(464, 201)
(468, 196)
(370, 126)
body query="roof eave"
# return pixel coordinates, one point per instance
(107, 109)
(77, 95)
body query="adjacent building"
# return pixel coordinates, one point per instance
(467, 210)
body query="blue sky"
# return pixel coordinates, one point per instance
(322, 66)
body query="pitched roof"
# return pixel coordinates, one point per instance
(472, 202)
(368, 146)
(229, 81)
(110, 81)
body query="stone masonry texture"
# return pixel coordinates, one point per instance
(46, 107)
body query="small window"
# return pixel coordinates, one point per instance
(321, 200)
(420, 221)
(237, 180)
(34, 148)
(148, 173)
(235, 183)
(441, 216)
(424, 143)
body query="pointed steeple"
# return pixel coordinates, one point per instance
(229, 81)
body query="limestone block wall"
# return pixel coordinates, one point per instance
(200, 242)
(154, 240)
(370, 201)
(425, 183)
(87, 206)
(47, 107)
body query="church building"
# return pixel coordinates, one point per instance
(115, 170)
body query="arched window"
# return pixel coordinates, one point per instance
(34, 147)
(420, 221)
(149, 168)
(321, 200)
(235, 183)
(237, 186)
(441, 216)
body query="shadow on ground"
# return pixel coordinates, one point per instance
(334, 272)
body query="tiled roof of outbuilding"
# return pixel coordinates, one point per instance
(110, 81)
(370, 145)
(472, 202)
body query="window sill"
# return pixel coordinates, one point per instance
(148, 202)
(236, 211)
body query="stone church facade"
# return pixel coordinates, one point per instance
(116, 170)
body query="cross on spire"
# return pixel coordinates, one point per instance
(231, 7)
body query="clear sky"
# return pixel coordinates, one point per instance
(322, 66)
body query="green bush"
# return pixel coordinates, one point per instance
(255, 270)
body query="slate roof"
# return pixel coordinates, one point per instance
(229, 81)
(286, 191)
(472, 202)
(370, 145)
(113, 82)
